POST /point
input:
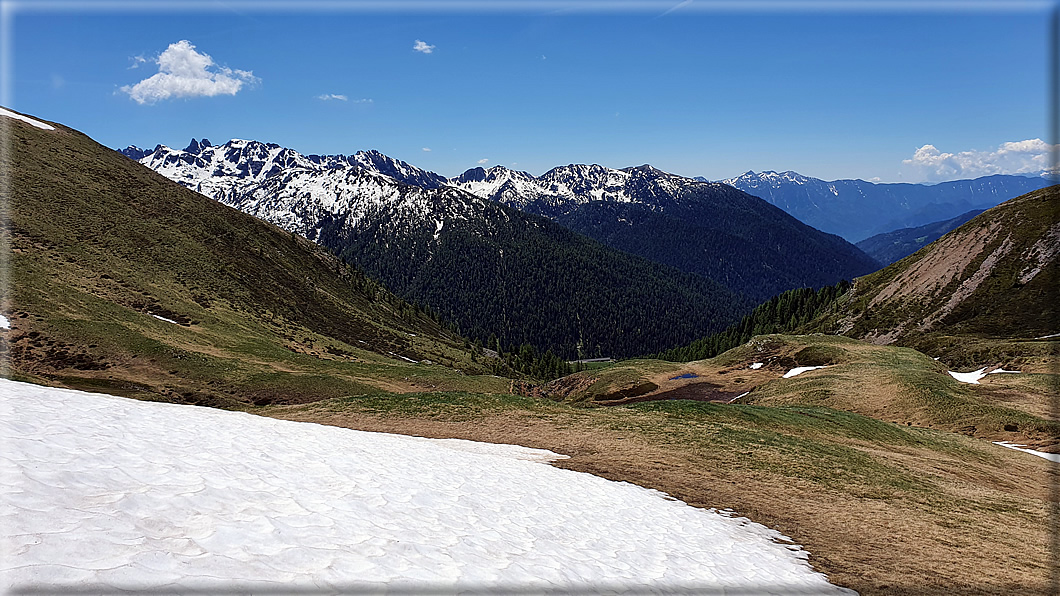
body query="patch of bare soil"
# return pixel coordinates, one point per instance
(697, 391)
(984, 533)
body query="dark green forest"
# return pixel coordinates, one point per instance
(524, 279)
(742, 242)
(783, 313)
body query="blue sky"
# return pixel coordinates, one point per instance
(696, 88)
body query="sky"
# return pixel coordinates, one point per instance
(883, 91)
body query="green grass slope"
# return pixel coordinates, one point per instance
(100, 248)
(888, 383)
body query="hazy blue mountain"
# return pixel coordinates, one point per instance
(889, 247)
(856, 209)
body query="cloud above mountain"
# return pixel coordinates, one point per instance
(929, 164)
(184, 72)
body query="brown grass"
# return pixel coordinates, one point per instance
(984, 531)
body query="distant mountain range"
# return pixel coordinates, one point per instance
(856, 209)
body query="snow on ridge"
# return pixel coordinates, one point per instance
(26, 119)
(4, 322)
(117, 494)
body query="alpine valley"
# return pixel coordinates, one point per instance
(851, 409)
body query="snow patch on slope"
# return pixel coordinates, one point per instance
(1055, 457)
(799, 370)
(969, 377)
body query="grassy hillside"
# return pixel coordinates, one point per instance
(889, 383)
(124, 281)
(995, 277)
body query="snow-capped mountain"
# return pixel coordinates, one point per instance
(700, 227)
(856, 209)
(297, 192)
(566, 187)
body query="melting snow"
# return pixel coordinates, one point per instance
(26, 119)
(403, 358)
(744, 394)
(969, 377)
(756, 366)
(799, 370)
(1049, 456)
(4, 323)
(1001, 370)
(110, 494)
(161, 318)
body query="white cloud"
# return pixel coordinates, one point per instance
(483, 160)
(422, 46)
(427, 149)
(331, 96)
(928, 164)
(137, 61)
(183, 72)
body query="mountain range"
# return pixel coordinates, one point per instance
(504, 276)
(856, 209)
(484, 249)
(484, 252)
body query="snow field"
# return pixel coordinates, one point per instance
(112, 493)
